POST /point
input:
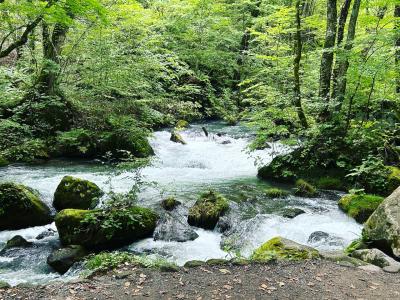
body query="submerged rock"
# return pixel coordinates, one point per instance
(177, 138)
(320, 237)
(172, 229)
(17, 242)
(305, 189)
(382, 229)
(49, 232)
(20, 207)
(378, 258)
(170, 203)
(291, 212)
(62, 259)
(207, 210)
(104, 229)
(76, 193)
(359, 207)
(283, 249)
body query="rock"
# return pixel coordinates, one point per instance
(283, 249)
(194, 264)
(177, 138)
(342, 259)
(206, 212)
(217, 262)
(359, 206)
(21, 207)
(105, 229)
(169, 268)
(318, 236)
(275, 193)
(378, 258)
(382, 229)
(181, 124)
(4, 285)
(291, 212)
(62, 259)
(237, 261)
(49, 232)
(76, 193)
(172, 229)
(226, 142)
(393, 180)
(370, 268)
(170, 203)
(305, 189)
(224, 224)
(17, 242)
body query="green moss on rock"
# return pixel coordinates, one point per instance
(393, 180)
(329, 183)
(275, 193)
(280, 248)
(103, 229)
(359, 207)
(194, 264)
(207, 210)
(170, 203)
(305, 189)
(76, 193)
(20, 207)
(181, 124)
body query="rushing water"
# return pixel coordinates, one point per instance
(221, 162)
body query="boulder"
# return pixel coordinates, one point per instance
(105, 229)
(20, 207)
(275, 193)
(17, 242)
(291, 212)
(76, 193)
(170, 203)
(320, 237)
(62, 259)
(172, 229)
(304, 189)
(206, 212)
(382, 229)
(280, 248)
(359, 206)
(378, 258)
(177, 138)
(49, 232)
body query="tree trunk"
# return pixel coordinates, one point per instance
(397, 47)
(342, 61)
(344, 12)
(327, 55)
(298, 47)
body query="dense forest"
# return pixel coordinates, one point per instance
(96, 80)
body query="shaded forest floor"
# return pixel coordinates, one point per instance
(284, 280)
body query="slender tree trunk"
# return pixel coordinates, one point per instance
(298, 47)
(327, 55)
(342, 61)
(397, 45)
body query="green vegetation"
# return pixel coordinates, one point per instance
(275, 193)
(304, 189)
(360, 206)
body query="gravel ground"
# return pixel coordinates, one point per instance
(284, 280)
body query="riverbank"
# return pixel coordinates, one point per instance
(317, 279)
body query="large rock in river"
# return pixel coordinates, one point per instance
(382, 229)
(105, 229)
(62, 259)
(76, 193)
(20, 207)
(207, 210)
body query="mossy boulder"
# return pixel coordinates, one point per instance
(359, 206)
(20, 207)
(275, 193)
(291, 212)
(63, 259)
(76, 193)
(177, 138)
(105, 229)
(280, 248)
(194, 263)
(17, 242)
(207, 210)
(382, 229)
(170, 203)
(304, 189)
(181, 124)
(393, 180)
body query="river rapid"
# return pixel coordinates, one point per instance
(220, 161)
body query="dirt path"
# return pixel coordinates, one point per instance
(305, 280)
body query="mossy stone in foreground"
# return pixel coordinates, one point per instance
(76, 193)
(359, 207)
(194, 263)
(105, 229)
(20, 207)
(207, 210)
(280, 248)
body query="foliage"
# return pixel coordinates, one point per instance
(275, 193)
(360, 206)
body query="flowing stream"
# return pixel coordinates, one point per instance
(221, 162)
